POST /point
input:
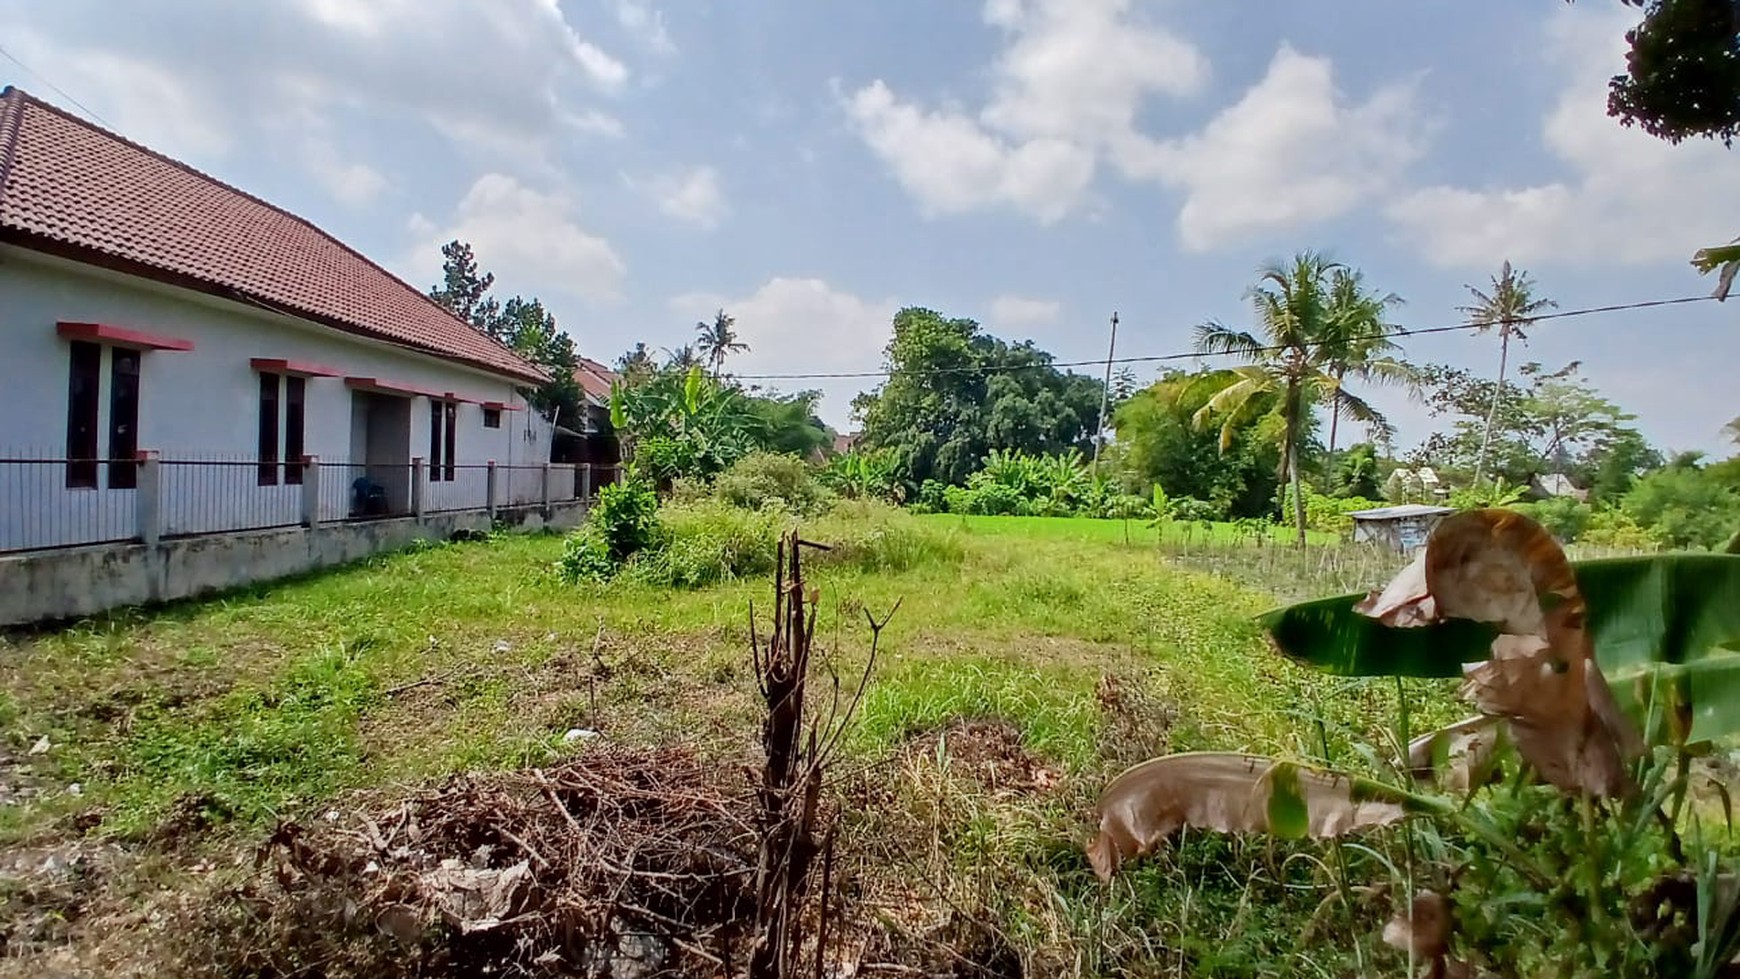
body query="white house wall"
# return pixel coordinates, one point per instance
(203, 404)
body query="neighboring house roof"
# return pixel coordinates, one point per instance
(1400, 512)
(595, 379)
(844, 442)
(1559, 484)
(73, 189)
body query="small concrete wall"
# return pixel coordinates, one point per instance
(50, 585)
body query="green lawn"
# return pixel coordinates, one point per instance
(1087, 529)
(391, 673)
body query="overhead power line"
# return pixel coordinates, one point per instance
(9, 56)
(1196, 355)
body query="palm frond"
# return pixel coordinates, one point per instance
(1213, 338)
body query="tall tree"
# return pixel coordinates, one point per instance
(464, 289)
(1290, 363)
(717, 340)
(1508, 307)
(523, 325)
(530, 329)
(1358, 340)
(955, 393)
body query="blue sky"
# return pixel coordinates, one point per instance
(1033, 164)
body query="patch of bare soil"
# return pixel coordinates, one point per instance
(616, 863)
(46, 892)
(987, 750)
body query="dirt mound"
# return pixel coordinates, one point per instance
(987, 750)
(620, 863)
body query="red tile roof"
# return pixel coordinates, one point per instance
(595, 379)
(71, 188)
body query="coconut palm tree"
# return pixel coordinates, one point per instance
(1510, 306)
(1359, 343)
(718, 340)
(1288, 368)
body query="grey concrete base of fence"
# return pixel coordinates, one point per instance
(71, 582)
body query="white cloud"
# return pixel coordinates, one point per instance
(1065, 89)
(1067, 92)
(690, 194)
(198, 78)
(530, 239)
(1629, 198)
(1023, 313)
(352, 183)
(803, 325)
(1289, 153)
(951, 164)
(645, 24)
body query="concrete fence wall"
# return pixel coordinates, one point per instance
(62, 584)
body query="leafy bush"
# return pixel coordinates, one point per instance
(1616, 529)
(988, 499)
(1684, 506)
(585, 557)
(763, 479)
(663, 459)
(1189, 509)
(1564, 517)
(623, 522)
(707, 543)
(932, 498)
(1327, 513)
(864, 476)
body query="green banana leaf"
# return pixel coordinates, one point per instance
(1665, 627)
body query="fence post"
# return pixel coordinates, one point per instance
(586, 482)
(419, 487)
(546, 491)
(311, 491)
(148, 497)
(489, 491)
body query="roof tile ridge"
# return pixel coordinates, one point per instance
(17, 116)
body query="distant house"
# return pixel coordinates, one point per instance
(153, 312)
(1556, 484)
(1401, 528)
(1415, 485)
(845, 442)
(596, 441)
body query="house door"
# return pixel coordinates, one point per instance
(380, 441)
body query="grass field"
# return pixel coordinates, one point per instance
(208, 721)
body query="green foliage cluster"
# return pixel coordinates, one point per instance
(1021, 484)
(623, 522)
(1160, 444)
(678, 423)
(866, 475)
(1329, 513)
(1682, 506)
(773, 480)
(955, 393)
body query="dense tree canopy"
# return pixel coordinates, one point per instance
(954, 393)
(1159, 443)
(1682, 75)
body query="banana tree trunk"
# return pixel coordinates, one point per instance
(1492, 411)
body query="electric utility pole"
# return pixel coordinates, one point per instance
(1105, 396)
